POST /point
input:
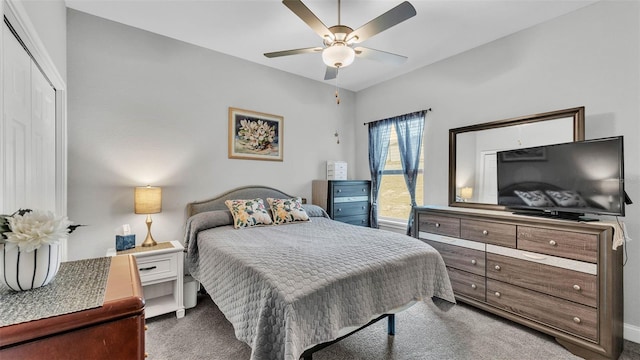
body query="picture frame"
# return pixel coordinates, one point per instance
(255, 135)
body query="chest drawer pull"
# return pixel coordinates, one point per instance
(577, 287)
(553, 243)
(437, 225)
(474, 261)
(339, 190)
(497, 267)
(497, 294)
(148, 268)
(339, 209)
(485, 232)
(534, 257)
(474, 286)
(577, 320)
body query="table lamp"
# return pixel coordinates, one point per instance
(148, 200)
(466, 193)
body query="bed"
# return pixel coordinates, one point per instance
(292, 288)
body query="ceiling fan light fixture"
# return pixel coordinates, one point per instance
(338, 55)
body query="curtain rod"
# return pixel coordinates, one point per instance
(367, 123)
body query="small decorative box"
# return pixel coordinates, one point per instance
(124, 242)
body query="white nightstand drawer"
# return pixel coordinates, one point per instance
(157, 268)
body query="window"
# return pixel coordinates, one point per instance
(394, 202)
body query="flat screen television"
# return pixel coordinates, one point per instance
(564, 180)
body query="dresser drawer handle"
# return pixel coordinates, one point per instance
(474, 286)
(497, 267)
(339, 209)
(146, 354)
(577, 287)
(148, 268)
(497, 293)
(363, 207)
(363, 220)
(437, 225)
(485, 232)
(339, 190)
(534, 257)
(473, 261)
(553, 243)
(577, 320)
(364, 189)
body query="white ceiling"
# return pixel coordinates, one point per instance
(247, 29)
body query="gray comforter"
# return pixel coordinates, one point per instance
(286, 288)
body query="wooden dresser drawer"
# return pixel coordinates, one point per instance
(349, 190)
(350, 208)
(362, 219)
(461, 258)
(567, 284)
(467, 284)
(442, 225)
(562, 314)
(571, 245)
(488, 232)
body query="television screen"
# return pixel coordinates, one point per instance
(565, 180)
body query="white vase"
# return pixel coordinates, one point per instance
(23, 270)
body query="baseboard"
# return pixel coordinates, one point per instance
(632, 333)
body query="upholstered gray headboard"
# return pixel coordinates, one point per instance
(245, 192)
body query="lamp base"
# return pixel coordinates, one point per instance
(148, 241)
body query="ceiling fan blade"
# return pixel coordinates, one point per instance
(380, 55)
(309, 18)
(391, 18)
(292, 52)
(331, 73)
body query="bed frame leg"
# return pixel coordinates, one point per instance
(391, 324)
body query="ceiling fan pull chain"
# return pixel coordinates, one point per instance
(337, 94)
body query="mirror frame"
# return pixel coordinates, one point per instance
(578, 134)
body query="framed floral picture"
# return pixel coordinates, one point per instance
(254, 135)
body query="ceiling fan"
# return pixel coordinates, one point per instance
(339, 40)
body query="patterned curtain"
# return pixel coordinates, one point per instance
(379, 134)
(410, 128)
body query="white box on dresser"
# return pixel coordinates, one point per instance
(162, 276)
(560, 277)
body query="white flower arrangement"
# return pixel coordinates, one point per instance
(30, 229)
(258, 134)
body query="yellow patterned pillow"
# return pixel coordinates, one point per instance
(248, 213)
(287, 210)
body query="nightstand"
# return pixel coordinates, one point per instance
(161, 274)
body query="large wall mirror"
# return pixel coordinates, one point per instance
(472, 151)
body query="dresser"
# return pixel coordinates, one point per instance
(348, 201)
(560, 277)
(113, 331)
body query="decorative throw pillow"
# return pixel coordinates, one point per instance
(534, 198)
(248, 213)
(567, 198)
(287, 210)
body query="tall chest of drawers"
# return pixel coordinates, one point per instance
(347, 201)
(560, 277)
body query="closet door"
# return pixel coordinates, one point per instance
(43, 143)
(29, 130)
(16, 137)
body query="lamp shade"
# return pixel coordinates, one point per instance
(147, 200)
(466, 193)
(338, 55)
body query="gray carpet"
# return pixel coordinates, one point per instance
(422, 332)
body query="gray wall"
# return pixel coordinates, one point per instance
(147, 109)
(49, 19)
(586, 58)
